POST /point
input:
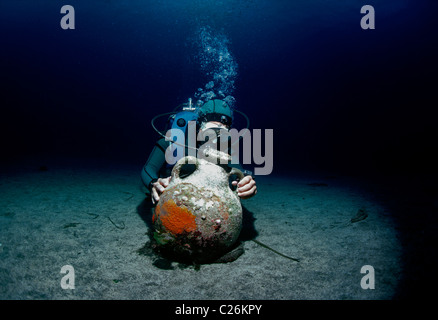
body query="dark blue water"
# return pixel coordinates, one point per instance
(338, 97)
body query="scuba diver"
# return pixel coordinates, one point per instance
(214, 114)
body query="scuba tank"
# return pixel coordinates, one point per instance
(178, 128)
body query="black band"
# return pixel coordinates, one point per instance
(151, 183)
(215, 117)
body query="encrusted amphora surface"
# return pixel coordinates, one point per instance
(198, 216)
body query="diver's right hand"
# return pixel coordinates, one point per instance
(158, 188)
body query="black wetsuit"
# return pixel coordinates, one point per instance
(156, 166)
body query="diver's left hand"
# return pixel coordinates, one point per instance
(246, 188)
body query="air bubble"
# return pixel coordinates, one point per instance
(216, 61)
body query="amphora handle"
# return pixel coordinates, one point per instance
(238, 173)
(181, 162)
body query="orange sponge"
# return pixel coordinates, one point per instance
(175, 219)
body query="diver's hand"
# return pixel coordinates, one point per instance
(158, 188)
(246, 188)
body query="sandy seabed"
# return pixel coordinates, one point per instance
(96, 219)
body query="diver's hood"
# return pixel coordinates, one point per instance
(215, 110)
(212, 110)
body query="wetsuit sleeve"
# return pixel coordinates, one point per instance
(151, 170)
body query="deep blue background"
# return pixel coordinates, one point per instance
(338, 97)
